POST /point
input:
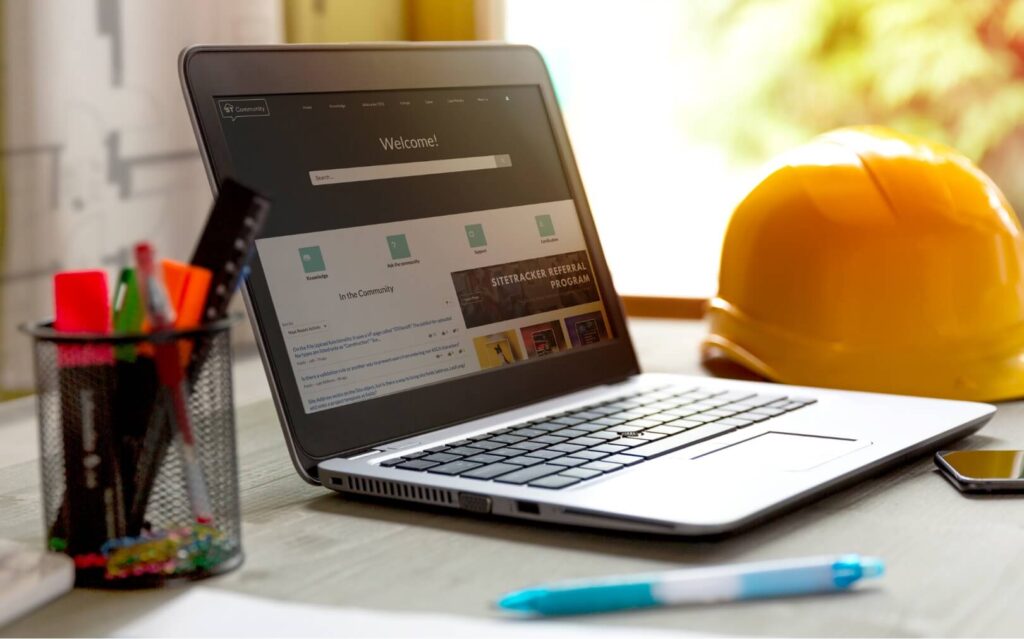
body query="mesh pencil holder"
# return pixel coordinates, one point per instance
(138, 459)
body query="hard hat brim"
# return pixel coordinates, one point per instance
(985, 370)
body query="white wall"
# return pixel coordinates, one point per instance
(98, 152)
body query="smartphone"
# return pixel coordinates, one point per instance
(983, 471)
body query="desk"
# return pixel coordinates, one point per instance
(956, 565)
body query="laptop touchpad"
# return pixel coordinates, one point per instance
(783, 451)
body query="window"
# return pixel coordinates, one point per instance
(673, 106)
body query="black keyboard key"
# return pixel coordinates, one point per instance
(454, 468)
(554, 482)
(415, 455)
(591, 455)
(602, 466)
(529, 474)
(549, 439)
(441, 458)
(435, 449)
(566, 448)
(624, 459)
(545, 454)
(485, 444)
(607, 449)
(571, 432)
(528, 432)
(586, 441)
(568, 421)
(506, 452)
(416, 464)
(524, 460)
(490, 471)
(548, 426)
(528, 445)
(461, 451)
(589, 427)
(683, 439)
(581, 473)
(484, 458)
(569, 461)
(507, 439)
(393, 462)
(586, 415)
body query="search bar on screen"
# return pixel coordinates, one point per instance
(408, 169)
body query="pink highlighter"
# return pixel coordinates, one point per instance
(93, 509)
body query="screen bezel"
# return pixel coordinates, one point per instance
(208, 72)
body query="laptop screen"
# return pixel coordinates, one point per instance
(437, 237)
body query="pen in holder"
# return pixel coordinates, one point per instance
(139, 470)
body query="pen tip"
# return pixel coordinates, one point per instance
(520, 601)
(144, 254)
(872, 567)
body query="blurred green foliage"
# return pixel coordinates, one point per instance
(785, 70)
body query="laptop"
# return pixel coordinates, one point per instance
(438, 323)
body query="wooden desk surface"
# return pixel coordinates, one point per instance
(956, 564)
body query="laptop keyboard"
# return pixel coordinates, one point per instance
(562, 450)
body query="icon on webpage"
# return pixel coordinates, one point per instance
(475, 235)
(399, 247)
(545, 226)
(312, 259)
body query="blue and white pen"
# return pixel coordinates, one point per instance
(735, 582)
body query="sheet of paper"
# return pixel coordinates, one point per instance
(218, 613)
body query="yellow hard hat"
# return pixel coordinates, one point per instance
(872, 260)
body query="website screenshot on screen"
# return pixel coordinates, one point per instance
(436, 236)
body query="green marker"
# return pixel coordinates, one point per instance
(128, 312)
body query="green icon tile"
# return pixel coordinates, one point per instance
(399, 247)
(475, 235)
(545, 226)
(312, 259)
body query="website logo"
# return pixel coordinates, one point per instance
(249, 108)
(312, 259)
